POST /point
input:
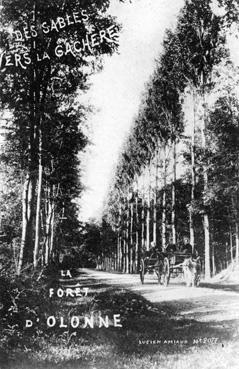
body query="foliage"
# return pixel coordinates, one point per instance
(42, 71)
(194, 63)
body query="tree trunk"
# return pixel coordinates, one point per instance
(15, 256)
(155, 201)
(127, 237)
(213, 260)
(137, 231)
(124, 252)
(27, 220)
(193, 176)
(164, 199)
(124, 240)
(118, 251)
(38, 208)
(52, 232)
(231, 244)
(115, 261)
(50, 223)
(205, 188)
(35, 112)
(237, 242)
(207, 246)
(142, 225)
(48, 234)
(28, 250)
(148, 212)
(131, 234)
(24, 224)
(173, 215)
(121, 236)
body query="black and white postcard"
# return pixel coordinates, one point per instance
(119, 184)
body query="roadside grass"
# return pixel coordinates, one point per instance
(152, 336)
(102, 357)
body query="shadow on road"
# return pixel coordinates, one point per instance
(220, 286)
(193, 321)
(152, 332)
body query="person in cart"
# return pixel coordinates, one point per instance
(187, 247)
(171, 247)
(170, 251)
(153, 252)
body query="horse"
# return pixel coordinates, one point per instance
(191, 271)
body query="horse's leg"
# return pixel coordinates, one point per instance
(187, 276)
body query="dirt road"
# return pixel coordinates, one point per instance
(209, 303)
(172, 327)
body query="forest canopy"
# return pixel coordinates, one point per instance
(48, 51)
(177, 175)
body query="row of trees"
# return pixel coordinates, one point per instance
(178, 172)
(43, 119)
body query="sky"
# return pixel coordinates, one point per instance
(116, 91)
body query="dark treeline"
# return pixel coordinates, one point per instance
(43, 123)
(43, 120)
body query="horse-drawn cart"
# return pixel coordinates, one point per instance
(152, 263)
(167, 265)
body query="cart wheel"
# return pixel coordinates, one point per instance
(141, 271)
(159, 271)
(198, 274)
(166, 272)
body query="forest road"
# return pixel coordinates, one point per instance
(218, 303)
